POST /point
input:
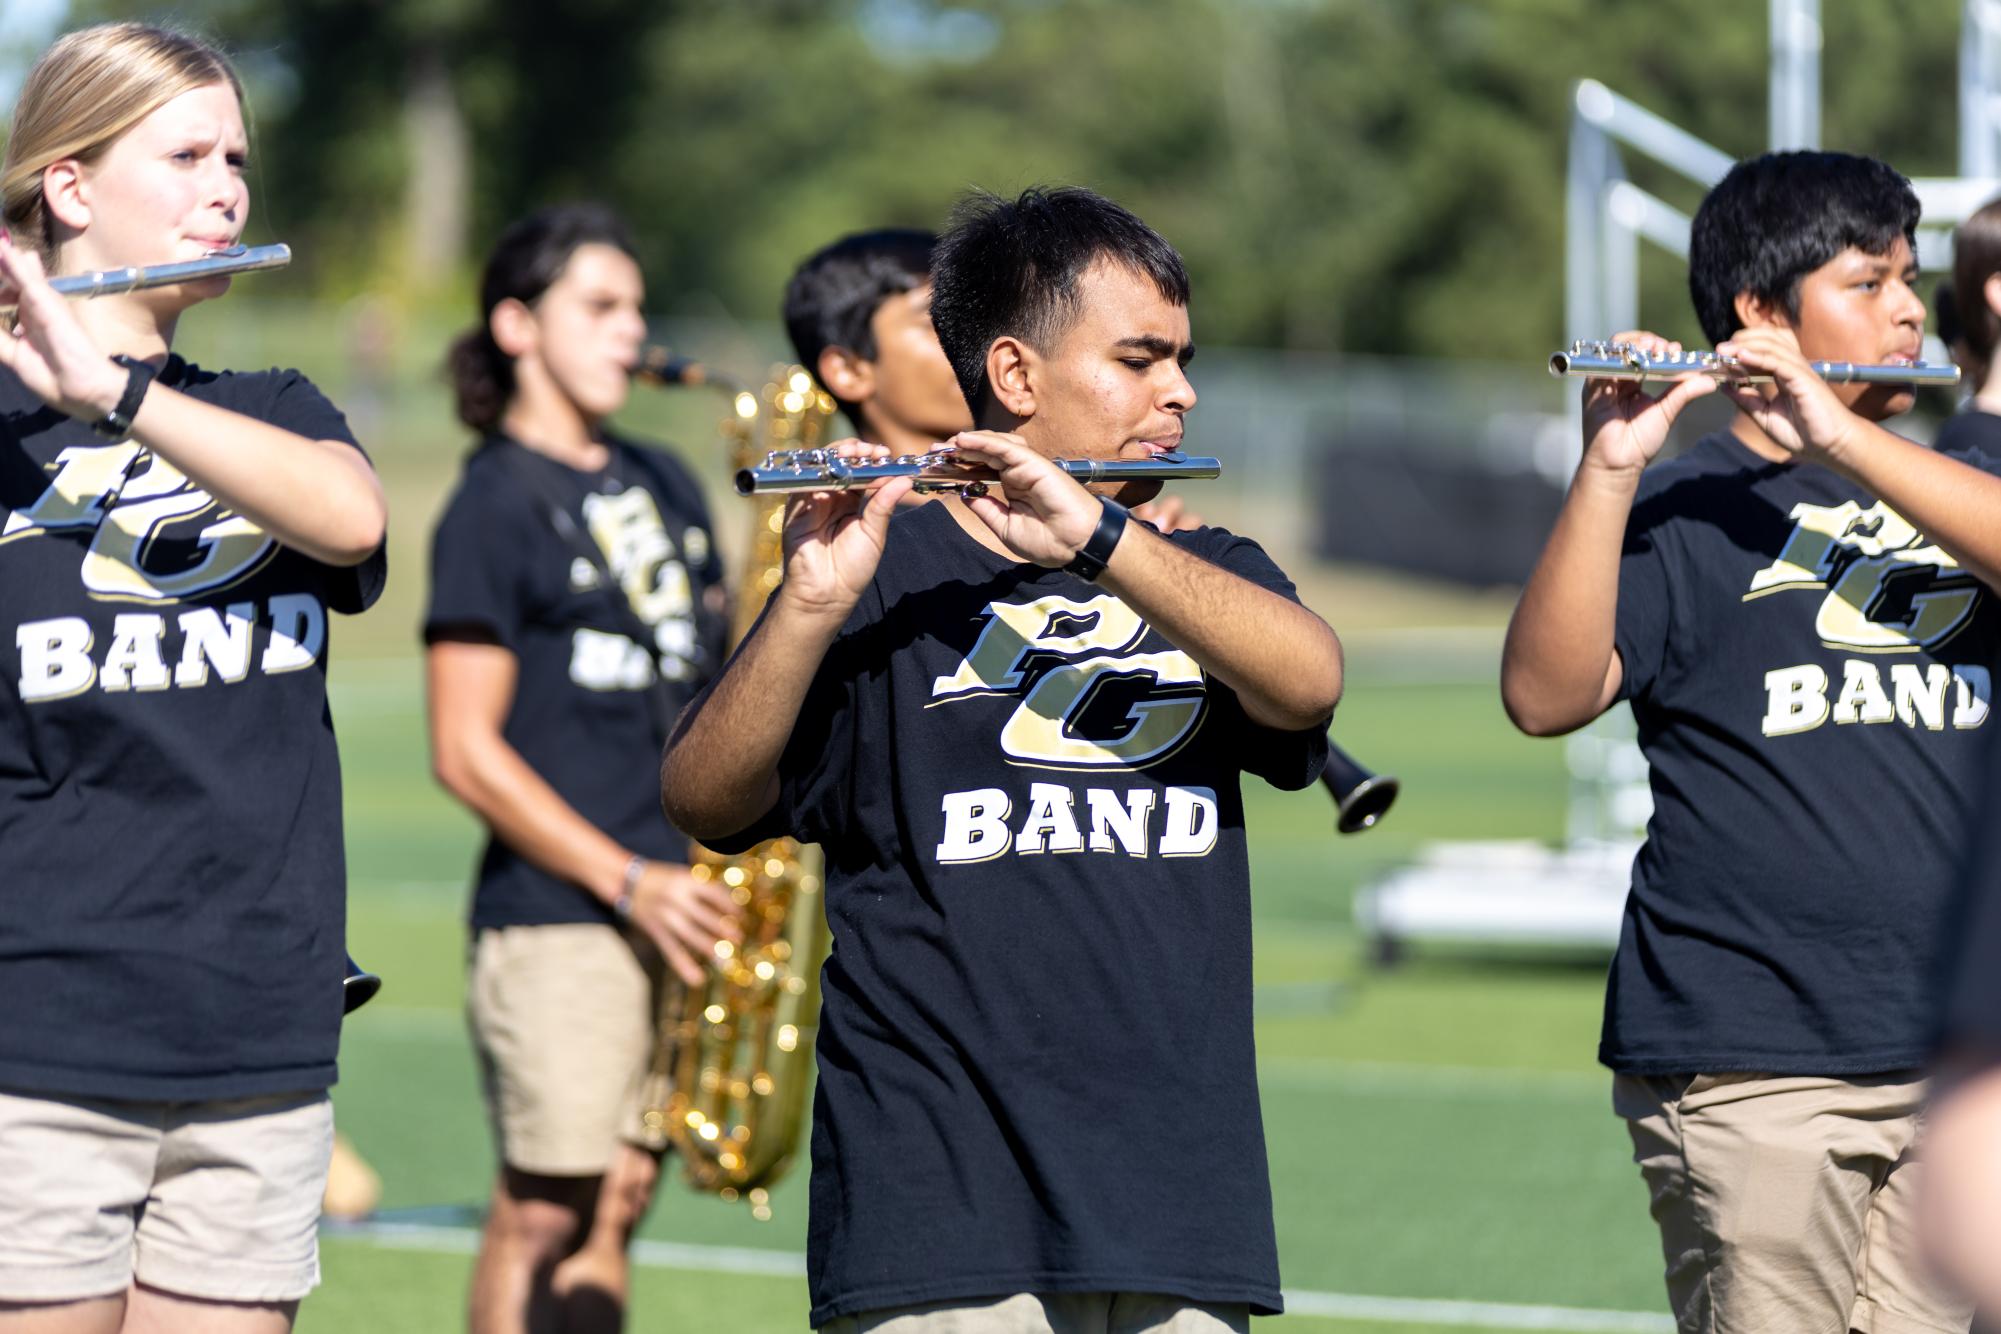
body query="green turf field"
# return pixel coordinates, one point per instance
(1436, 1132)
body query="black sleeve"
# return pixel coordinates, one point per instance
(1973, 437)
(297, 405)
(1287, 760)
(479, 566)
(1641, 623)
(814, 773)
(1972, 1009)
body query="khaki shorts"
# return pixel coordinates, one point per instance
(563, 1020)
(1052, 1313)
(1788, 1202)
(218, 1201)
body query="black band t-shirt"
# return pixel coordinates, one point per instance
(1812, 678)
(172, 877)
(1036, 1066)
(1971, 1023)
(521, 558)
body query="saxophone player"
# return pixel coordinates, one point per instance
(859, 316)
(575, 606)
(1017, 724)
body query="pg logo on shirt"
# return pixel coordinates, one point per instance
(1087, 698)
(156, 540)
(155, 536)
(1889, 590)
(1886, 590)
(640, 554)
(1090, 698)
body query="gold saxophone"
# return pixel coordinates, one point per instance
(727, 1085)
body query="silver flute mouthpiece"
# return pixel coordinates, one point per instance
(217, 263)
(1601, 360)
(790, 470)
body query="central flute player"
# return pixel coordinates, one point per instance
(1016, 724)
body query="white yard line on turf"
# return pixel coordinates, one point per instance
(1473, 1315)
(653, 1254)
(1400, 1077)
(1335, 1305)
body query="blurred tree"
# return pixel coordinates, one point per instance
(1376, 176)
(390, 133)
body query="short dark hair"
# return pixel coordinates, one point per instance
(835, 294)
(1010, 267)
(1976, 257)
(1774, 219)
(526, 262)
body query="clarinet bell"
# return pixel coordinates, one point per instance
(1360, 797)
(358, 988)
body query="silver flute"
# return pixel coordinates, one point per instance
(1623, 361)
(788, 470)
(231, 259)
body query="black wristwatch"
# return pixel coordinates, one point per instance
(117, 423)
(1096, 553)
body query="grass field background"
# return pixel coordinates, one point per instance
(1437, 1131)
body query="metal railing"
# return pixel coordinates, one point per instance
(1607, 217)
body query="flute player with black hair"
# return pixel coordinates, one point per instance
(1801, 612)
(915, 699)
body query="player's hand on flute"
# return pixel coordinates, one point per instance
(1798, 411)
(684, 917)
(1037, 510)
(48, 348)
(1624, 426)
(834, 539)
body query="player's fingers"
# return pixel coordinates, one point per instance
(684, 964)
(1696, 386)
(882, 504)
(989, 510)
(1747, 397)
(713, 903)
(1643, 341)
